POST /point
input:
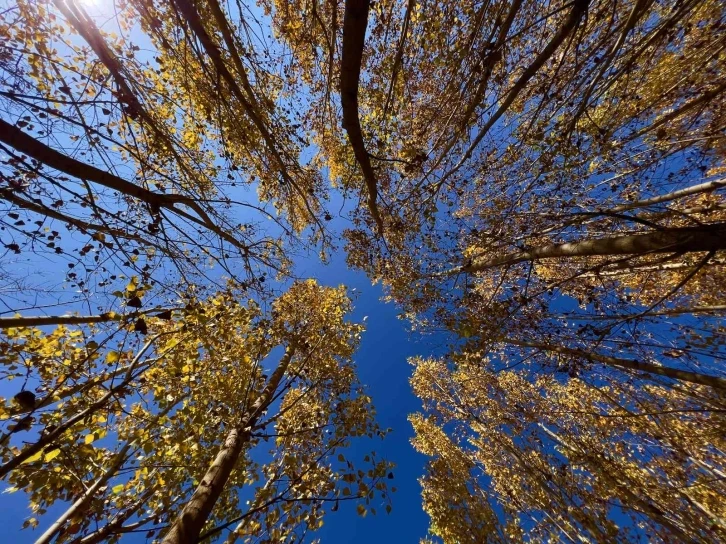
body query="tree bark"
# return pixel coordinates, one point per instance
(19, 140)
(43, 320)
(683, 240)
(188, 525)
(355, 22)
(706, 187)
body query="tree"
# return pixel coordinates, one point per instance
(578, 179)
(140, 432)
(117, 161)
(532, 458)
(541, 181)
(128, 159)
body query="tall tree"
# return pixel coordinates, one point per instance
(196, 404)
(529, 459)
(129, 153)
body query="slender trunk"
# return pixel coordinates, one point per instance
(638, 10)
(677, 112)
(77, 17)
(193, 19)
(704, 509)
(26, 144)
(683, 240)
(223, 25)
(706, 187)
(189, 523)
(117, 528)
(87, 496)
(579, 8)
(399, 56)
(674, 311)
(629, 364)
(44, 320)
(355, 22)
(494, 56)
(622, 269)
(625, 494)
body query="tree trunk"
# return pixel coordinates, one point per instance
(630, 364)
(355, 22)
(684, 240)
(706, 187)
(24, 143)
(44, 320)
(188, 525)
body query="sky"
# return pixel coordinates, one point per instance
(383, 368)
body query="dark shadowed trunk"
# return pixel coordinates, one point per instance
(355, 23)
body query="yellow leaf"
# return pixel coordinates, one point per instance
(113, 356)
(52, 454)
(117, 489)
(33, 458)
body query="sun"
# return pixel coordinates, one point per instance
(96, 8)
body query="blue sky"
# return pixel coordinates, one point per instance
(383, 369)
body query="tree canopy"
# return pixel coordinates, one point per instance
(539, 183)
